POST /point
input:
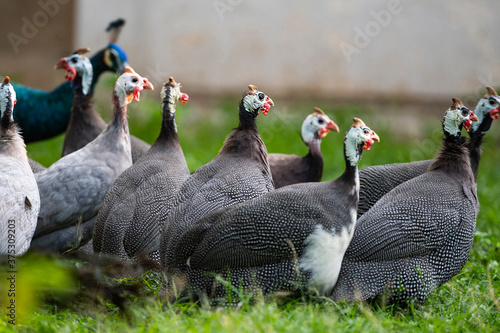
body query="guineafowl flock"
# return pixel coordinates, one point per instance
(247, 220)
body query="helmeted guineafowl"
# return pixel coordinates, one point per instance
(293, 169)
(128, 222)
(375, 181)
(238, 173)
(419, 235)
(285, 240)
(85, 123)
(19, 198)
(72, 189)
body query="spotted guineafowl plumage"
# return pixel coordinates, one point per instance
(285, 240)
(128, 223)
(293, 169)
(376, 181)
(73, 188)
(19, 198)
(238, 173)
(419, 235)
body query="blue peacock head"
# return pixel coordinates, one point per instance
(114, 57)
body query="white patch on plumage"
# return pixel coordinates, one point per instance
(7, 93)
(355, 189)
(453, 119)
(323, 256)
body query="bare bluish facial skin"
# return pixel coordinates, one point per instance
(355, 137)
(488, 106)
(257, 101)
(78, 64)
(454, 118)
(129, 85)
(317, 125)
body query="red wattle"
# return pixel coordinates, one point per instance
(494, 114)
(467, 124)
(184, 98)
(368, 144)
(70, 73)
(323, 132)
(265, 108)
(137, 93)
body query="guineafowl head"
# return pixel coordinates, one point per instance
(78, 70)
(129, 85)
(7, 101)
(358, 138)
(254, 100)
(317, 125)
(171, 93)
(487, 109)
(456, 117)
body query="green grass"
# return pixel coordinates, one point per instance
(470, 302)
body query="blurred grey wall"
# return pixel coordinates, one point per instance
(340, 49)
(33, 36)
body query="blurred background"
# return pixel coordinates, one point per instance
(368, 49)
(395, 63)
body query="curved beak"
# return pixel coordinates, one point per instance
(269, 101)
(147, 84)
(331, 126)
(374, 136)
(62, 64)
(473, 116)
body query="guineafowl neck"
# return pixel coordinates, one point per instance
(315, 159)
(245, 140)
(350, 174)
(475, 143)
(11, 142)
(82, 104)
(168, 137)
(247, 119)
(453, 157)
(119, 119)
(6, 123)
